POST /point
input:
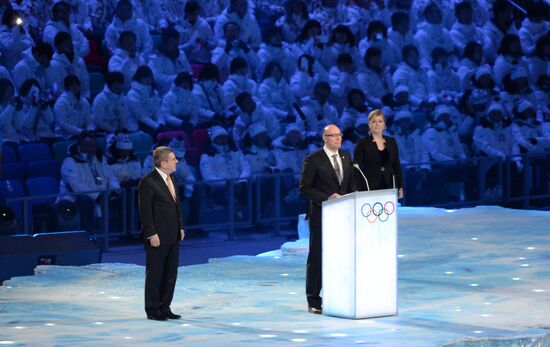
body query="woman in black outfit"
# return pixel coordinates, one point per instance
(378, 157)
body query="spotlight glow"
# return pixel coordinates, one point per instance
(236, 324)
(49, 324)
(284, 275)
(525, 265)
(475, 238)
(478, 332)
(300, 331)
(19, 327)
(449, 211)
(292, 293)
(338, 335)
(266, 336)
(530, 248)
(128, 337)
(98, 323)
(485, 315)
(474, 285)
(538, 290)
(298, 340)
(449, 272)
(401, 256)
(6, 342)
(516, 279)
(186, 325)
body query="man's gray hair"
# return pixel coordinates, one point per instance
(161, 154)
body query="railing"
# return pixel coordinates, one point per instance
(272, 199)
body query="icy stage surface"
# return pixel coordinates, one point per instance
(472, 277)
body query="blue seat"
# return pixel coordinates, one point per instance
(12, 189)
(13, 171)
(143, 142)
(37, 151)
(9, 155)
(37, 187)
(45, 168)
(60, 149)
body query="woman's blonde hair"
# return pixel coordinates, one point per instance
(376, 113)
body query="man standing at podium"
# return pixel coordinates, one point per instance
(326, 174)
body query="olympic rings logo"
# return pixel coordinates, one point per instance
(378, 211)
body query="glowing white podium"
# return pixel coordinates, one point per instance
(360, 255)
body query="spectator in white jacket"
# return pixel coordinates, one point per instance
(274, 90)
(72, 110)
(253, 112)
(497, 27)
(356, 108)
(294, 19)
(125, 58)
(510, 58)
(310, 41)
(35, 64)
(66, 62)
(432, 34)
(275, 49)
(124, 164)
(410, 74)
(125, 20)
(307, 75)
(180, 108)
(61, 22)
(238, 82)
(343, 78)
(400, 34)
(230, 47)
(10, 109)
(471, 60)
(528, 131)
(209, 94)
(464, 30)
(329, 13)
(290, 150)
(168, 60)
(197, 37)
(534, 26)
(14, 40)
(538, 63)
(316, 111)
(377, 36)
(442, 141)
(150, 12)
(341, 41)
(373, 78)
(111, 109)
(239, 12)
(144, 103)
(443, 83)
(36, 120)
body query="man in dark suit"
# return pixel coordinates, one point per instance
(162, 229)
(326, 174)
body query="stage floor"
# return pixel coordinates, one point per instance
(470, 277)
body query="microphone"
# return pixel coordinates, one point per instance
(355, 165)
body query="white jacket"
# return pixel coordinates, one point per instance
(288, 158)
(442, 145)
(262, 115)
(443, 83)
(415, 79)
(493, 36)
(529, 33)
(80, 175)
(179, 105)
(62, 67)
(390, 53)
(33, 116)
(330, 55)
(110, 111)
(302, 83)
(144, 42)
(230, 165)
(197, 40)
(249, 28)
(165, 69)
(277, 95)
(150, 12)
(183, 174)
(126, 169)
(80, 42)
(505, 64)
(235, 85)
(13, 44)
(524, 131)
(259, 159)
(537, 68)
(317, 116)
(72, 115)
(341, 83)
(223, 60)
(375, 85)
(29, 68)
(122, 62)
(430, 36)
(462, 34)
(349, 116)
(412, 148)
(398, 41)
(210, 100)
(495, 141)
(8, 119)
(282, 55)
(144, 102)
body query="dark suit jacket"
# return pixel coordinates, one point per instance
(159, 213)
(367, 156)
(318, 179)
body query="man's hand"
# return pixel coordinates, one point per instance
(334, 196)
(400, 194)
(182, 234)
(155, 241)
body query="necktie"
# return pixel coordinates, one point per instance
(171, 187)
(337, 168)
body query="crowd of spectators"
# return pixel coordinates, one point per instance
(455, 79)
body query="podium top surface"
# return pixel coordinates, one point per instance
(361, 194)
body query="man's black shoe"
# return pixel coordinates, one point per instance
(315, 310)
(157, 316)
(171, 315)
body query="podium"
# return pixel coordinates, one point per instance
(360, 255)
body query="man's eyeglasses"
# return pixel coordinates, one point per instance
(335, 135)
